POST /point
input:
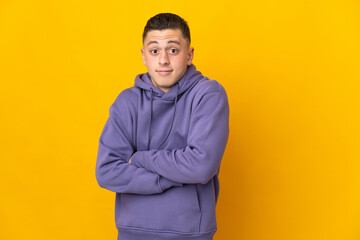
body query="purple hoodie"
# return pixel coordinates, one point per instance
(176, 141)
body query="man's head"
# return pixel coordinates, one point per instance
(164, 21)
(166, 51)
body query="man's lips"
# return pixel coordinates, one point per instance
(164, 72)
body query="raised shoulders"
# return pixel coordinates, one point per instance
(207, 86)
(128, 94)
(127, 97)
(125, 103)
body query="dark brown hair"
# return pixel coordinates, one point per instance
(164, 21)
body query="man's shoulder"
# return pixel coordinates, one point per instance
(128, 95)
(127, 98)
(207, 86)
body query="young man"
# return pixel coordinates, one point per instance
(161, 148)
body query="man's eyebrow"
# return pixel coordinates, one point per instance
(174, 41)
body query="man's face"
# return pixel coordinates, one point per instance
(166, 54)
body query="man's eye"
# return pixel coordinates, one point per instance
(154, 51)
(173, 50)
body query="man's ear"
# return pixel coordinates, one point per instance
(190, 56)
(143, 56)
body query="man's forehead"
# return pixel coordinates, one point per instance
(165, 36)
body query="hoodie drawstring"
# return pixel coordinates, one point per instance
(172, 119)
(173, 116)
(151, 110)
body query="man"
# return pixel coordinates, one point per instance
(161, 148)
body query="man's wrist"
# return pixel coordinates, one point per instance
(136, 159)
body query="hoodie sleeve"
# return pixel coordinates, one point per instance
(200, 160)
(113, 171)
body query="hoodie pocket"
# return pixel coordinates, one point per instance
(176, 209)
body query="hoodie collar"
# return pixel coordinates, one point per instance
(189, 79)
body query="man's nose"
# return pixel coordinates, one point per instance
(164, 58)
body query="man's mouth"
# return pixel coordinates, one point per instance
(164, 72)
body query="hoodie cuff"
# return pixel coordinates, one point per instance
(144, 159)
(165, 183)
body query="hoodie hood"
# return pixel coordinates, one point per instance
(188, 80)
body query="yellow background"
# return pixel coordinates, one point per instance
(291, 70)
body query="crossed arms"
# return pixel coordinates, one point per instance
(154, 171)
